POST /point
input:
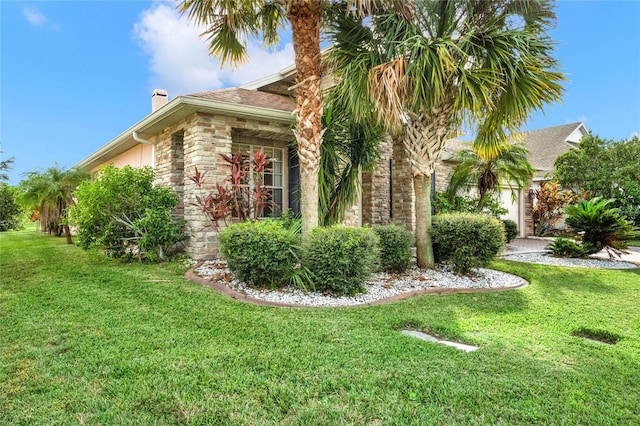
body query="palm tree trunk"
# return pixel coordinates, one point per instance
(305, 25)
(482, 200)
(67, 234)
(424, 246)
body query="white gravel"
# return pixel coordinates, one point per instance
(547, 259)
(380, 286)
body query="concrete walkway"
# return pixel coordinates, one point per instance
(538, 244)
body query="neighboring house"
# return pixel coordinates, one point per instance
(193, 130)
(545, 146)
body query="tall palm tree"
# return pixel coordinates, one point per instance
(489, 175)
(51, 192)
(453, 62)
(228, 23)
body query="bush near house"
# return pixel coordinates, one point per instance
(396, 245)
(125, 214)
(466, 240)
(341, 258)
(510, 230)
(262, 253)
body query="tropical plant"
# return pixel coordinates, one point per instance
(604, 168)
(228, 23)
(123, 212)
(601, 224)
(548, 207)
(51, 192)
(564, 247)
(471, 61)
(236, 198)
(509, 168)
(348, 148)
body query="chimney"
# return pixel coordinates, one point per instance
(158, 99)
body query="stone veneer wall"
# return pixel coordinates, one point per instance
(169, 163)
(443, 172)
(201, 138)
(528, 211)
(403, 211)
(376, 200)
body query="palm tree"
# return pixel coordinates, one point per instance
(229, 23)
(489, 175)
(348, 148)
(51, 192)
(453, 62)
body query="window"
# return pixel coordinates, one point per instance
(272, 177)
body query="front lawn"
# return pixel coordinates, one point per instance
(86, 340)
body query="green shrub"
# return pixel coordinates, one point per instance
(123, 212)
(602, 224)
(396, 245)
(466, 240)
(564, 247)
(262, 253)
(9, 209)
(510, 230)
(341, 258)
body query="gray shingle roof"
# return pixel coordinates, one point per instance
(247, 97)
(545, 145)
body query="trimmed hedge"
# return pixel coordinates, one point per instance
(262, 253)
(341, 258)
(510, 230)
(466, 240)
(396, 245)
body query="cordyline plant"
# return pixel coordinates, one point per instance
(549, 207)
(236, 199)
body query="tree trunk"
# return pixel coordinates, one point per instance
(67, 234)
(304, 17)
(482, 200)
(424, 246)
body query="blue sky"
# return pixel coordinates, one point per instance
(75, 74)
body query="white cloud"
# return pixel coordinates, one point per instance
(34, 16)
(179, 60)
(582, 119)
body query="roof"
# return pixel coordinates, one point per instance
(234, 101)
(248, 97)
(545, 145)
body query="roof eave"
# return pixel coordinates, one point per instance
(176, 110)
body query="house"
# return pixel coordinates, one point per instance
(192, 130)
(545, 146)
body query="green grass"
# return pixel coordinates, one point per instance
(86, 340)
(634, 243)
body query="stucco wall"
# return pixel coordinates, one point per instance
(138, 156)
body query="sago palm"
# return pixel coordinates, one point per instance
(509, 168)
(229, 23)
(453, 62)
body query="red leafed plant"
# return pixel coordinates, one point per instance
(236, 199)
